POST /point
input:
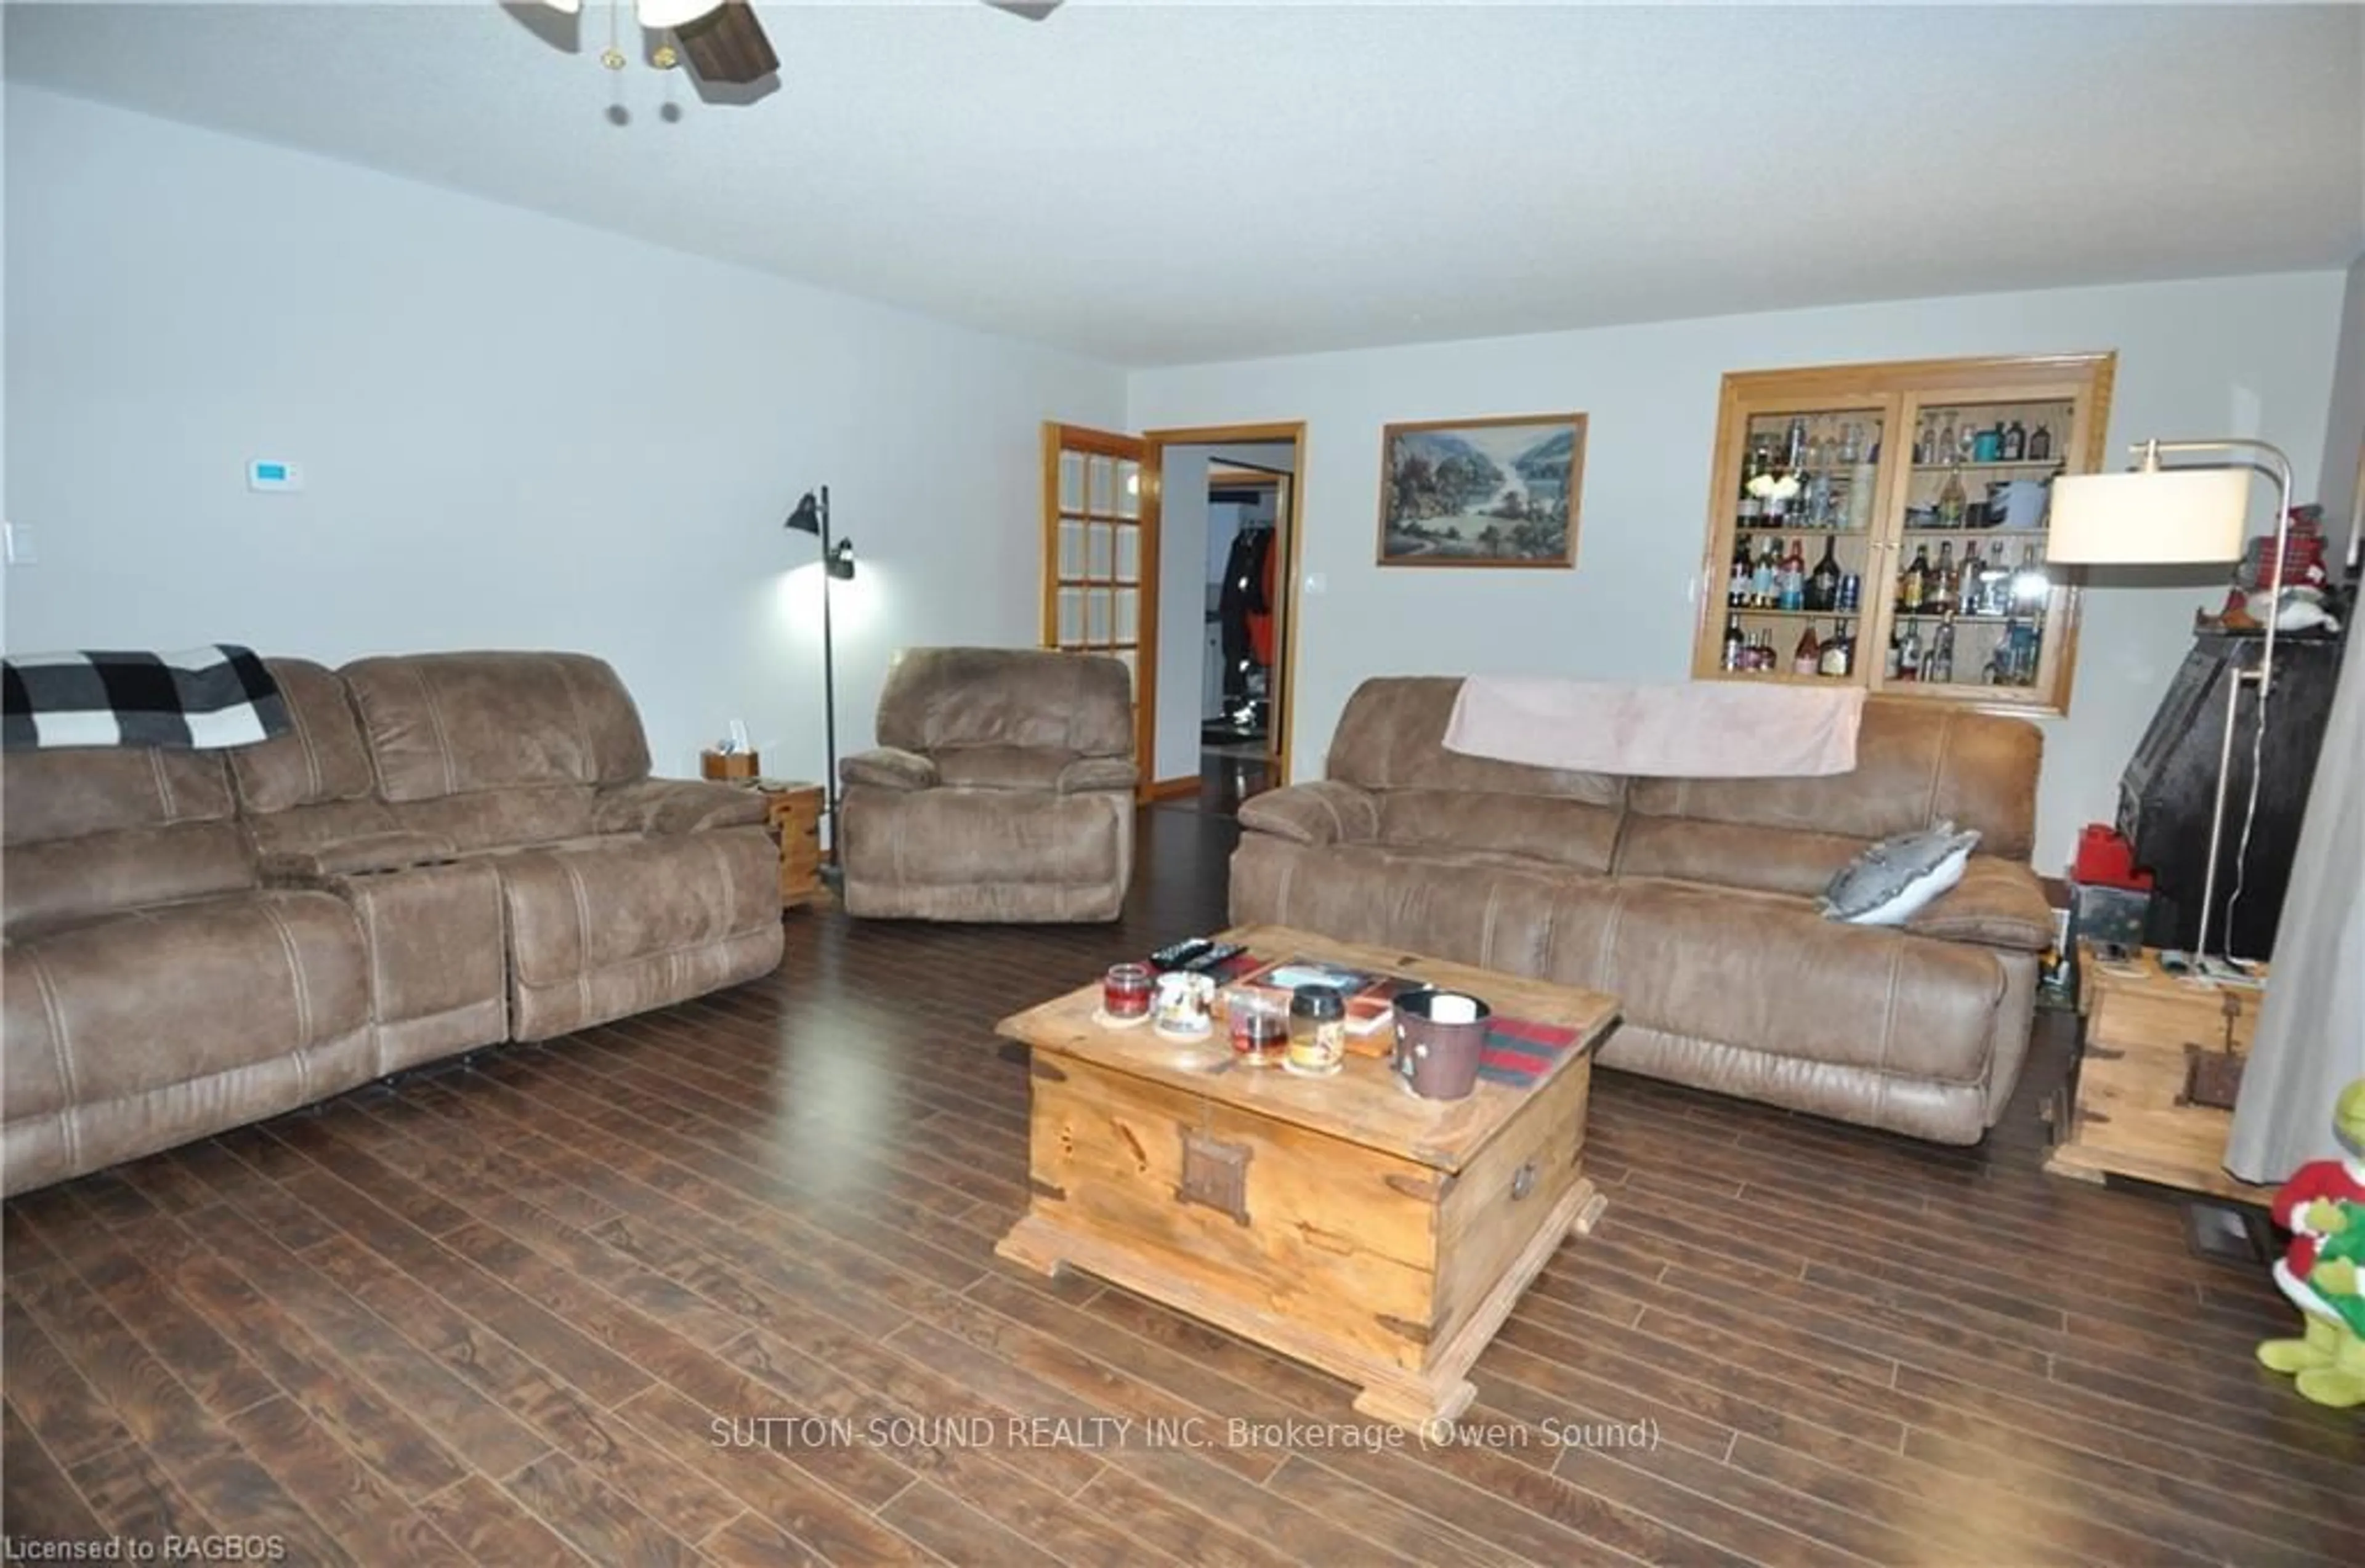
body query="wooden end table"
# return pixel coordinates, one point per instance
(1341, 1221)
(2123, 1116)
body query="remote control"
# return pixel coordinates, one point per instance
(1175, 955)
(1213, 957)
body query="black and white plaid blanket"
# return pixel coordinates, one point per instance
(198, 700)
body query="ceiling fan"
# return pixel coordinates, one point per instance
(722, 40)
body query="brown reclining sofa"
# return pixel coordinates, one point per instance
(449, 851)
(1692, 900)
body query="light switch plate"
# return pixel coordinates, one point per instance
(23, 545)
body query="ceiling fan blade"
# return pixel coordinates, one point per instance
(1032, 10)
(728, 44)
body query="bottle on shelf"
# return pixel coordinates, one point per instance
(1851, 445)
(1953, 502)
(1938, 594)
(2040, 444)
(1938, 664)
(1863, 485)
(1804, 658)
(1761, 577)
(1733, 642)
(1837, 655)
(1913, 583)
(1794, 452)
(1759, 655)
(1895, 656)
(1746, 511)
(2015, 441)
(1925, 441)
(1949, 446)
(1987, 445)
(1908, 654)
(1851, 592)
(1823, 582)
(2030, 586)
(1793, 590)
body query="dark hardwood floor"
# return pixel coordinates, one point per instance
(717, 1285)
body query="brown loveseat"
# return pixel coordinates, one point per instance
(1001, 790)
(1692, 901)
(449, 850)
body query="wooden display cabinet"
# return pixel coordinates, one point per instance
(1872, 477)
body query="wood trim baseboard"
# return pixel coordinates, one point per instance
(1171, 789)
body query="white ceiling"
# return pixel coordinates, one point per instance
(1160, 185)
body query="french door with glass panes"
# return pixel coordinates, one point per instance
(1100, 558)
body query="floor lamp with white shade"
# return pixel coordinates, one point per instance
(2164, 515)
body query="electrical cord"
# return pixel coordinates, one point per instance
(2249, 817)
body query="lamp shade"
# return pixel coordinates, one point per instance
(2164, 516)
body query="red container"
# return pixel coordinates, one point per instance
(2106, 860)
(1125, 990)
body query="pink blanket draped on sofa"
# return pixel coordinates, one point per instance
(1702, 730)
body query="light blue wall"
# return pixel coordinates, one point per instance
(2220, 356)
(516, 432)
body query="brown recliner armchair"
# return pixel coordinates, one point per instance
(1001, 790)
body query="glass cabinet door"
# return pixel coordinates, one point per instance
(1796, 553)
(1974, 611)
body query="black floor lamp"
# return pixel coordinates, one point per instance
(811, 516)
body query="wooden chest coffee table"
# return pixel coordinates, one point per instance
(1339, 1220)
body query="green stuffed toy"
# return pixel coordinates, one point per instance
(2323, 1205)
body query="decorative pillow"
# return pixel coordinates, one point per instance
(1891, 881)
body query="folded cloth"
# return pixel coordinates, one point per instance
(1703, 730)
(196, 700)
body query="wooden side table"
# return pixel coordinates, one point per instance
(2122, 1117)
(793, 812)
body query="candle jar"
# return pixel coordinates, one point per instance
(1259, 1027)
(1125, 992)
(1317, 1031)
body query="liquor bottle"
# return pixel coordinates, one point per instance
(1733, 642)
(1952, 500)
(2030, 586)
(1913, 584)
(1837, 655)
(1925, 442)
(1794, 577)
(1949, 443)
(1746, 513)
(1862, 483)
(1909, 657)
(2015, 441)
(1823, 583)
(1759, 655)
(1938, 595)
(1795, 454)
(1896, 650)
(1938, 664)
(1851, 445)
(1804, 657)
(1736, 586)
(2040, 444)
(1851, 592)
(1761, 577)
(1987, 445)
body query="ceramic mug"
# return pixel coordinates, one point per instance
(1440, 1036)
(1183, 1001)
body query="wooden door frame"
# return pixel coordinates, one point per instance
(1291, 534)
(1057, 434)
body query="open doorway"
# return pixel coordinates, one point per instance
(1227, 528)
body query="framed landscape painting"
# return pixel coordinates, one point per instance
(1499, 492)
